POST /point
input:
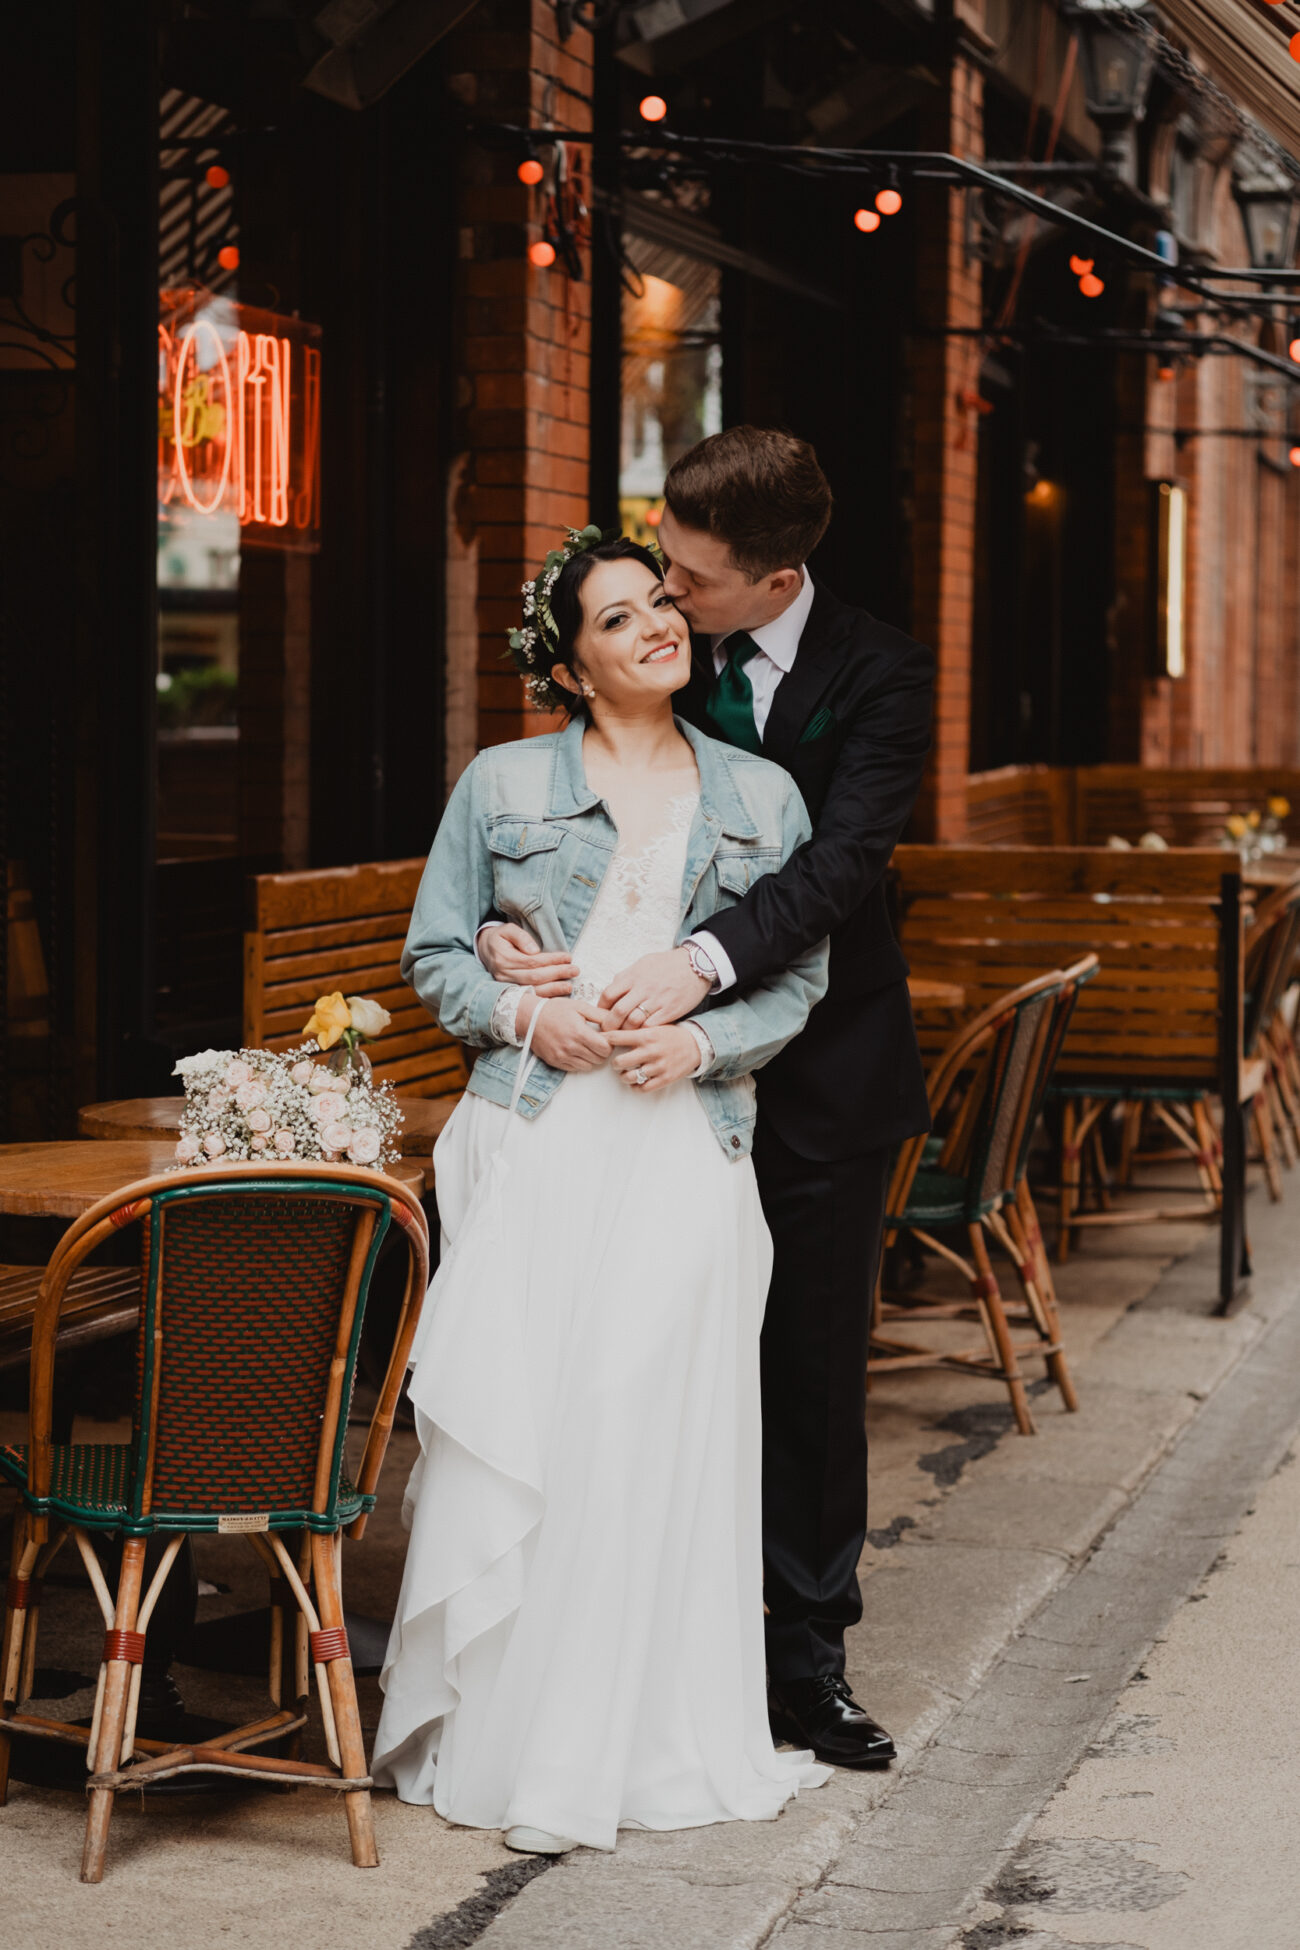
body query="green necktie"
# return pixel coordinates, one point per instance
(731, 701)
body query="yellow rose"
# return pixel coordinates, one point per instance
(329, 1019)
(1278, 806)
(1252, 820)
(1236, 825)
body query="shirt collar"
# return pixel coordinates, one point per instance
(779, 639)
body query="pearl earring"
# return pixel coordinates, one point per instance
(588, 690)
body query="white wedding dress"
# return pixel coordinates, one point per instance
(578, 1643)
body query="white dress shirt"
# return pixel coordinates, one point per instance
(778, 646)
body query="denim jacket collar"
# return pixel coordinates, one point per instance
(721, 802)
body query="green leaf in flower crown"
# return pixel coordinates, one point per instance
(516, 640)
(589, 535)
(553, 555)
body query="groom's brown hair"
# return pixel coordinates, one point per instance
(759, 491)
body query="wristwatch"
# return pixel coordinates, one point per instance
(700, 963)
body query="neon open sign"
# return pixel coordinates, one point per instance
(239, 417)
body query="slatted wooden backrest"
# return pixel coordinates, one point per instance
(992, 917)
(1186, 806)
(1019, 805)
(343, 928)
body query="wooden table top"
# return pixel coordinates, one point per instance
(61, 1181)
(927, 994)
(160, 1117)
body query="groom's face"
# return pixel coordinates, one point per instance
(710, 591)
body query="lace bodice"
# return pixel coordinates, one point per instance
(639, 904)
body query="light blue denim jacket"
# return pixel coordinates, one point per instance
(524, 838)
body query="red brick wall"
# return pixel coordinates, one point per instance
(523, 337)
(945, 437)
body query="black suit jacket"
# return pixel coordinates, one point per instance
(851, 723)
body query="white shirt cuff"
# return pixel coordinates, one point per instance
(709, 945)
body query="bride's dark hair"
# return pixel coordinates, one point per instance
(566, 603)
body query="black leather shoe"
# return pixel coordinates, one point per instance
(823, 1714)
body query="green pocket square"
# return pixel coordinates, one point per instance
(818, 727)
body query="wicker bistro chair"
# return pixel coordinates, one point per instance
(998, 1068)
(1272, 950)
(253, 1295)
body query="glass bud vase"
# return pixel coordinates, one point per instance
(349, 1066)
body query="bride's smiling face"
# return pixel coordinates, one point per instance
(634, 648)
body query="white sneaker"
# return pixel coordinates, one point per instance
(536, 1841)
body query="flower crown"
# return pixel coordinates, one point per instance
(535, 646)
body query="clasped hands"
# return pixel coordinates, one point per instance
(635, 1023)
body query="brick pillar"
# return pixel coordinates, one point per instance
(523, 336)
(945, 422)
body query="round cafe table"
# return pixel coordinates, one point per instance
(160, 1117)
(61, 1181)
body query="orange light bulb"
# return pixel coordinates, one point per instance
(653, 517)
(530, 172)
(216, 177)
(1091, 285)
(1081, 266)
(1293, 350)
(652, 108)
(866, 220)
(541, 254)
(228, 257)
(1294, 457)
(1164, 372)
(1294, 47)
(889, 202)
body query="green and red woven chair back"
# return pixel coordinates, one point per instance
(243, 1295)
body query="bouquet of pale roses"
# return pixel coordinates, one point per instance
(250, 1104)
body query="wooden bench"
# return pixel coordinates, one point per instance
(1083, 805)
(101, 1301)
(1161, 1024)
(343, 928)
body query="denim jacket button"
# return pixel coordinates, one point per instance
(735, 1144)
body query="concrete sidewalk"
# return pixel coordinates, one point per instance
(973, 1532)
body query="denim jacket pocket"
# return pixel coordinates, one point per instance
(521, 850)
(737, 872)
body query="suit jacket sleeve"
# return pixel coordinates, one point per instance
(870, 796)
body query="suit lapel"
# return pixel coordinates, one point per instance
(799, 691)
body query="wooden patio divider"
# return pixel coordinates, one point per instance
(1082, 805)
(343, 928)
(1164, 1016)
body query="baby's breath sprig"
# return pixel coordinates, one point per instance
(535, 646)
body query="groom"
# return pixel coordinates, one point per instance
(782, 668)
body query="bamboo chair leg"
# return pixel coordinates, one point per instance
(1208, 1140)
(117, 1685)
(1281, 1122)
(43, 1563)
(22, 1562)
(995, 1314)
(1101, 1175)
(347, 1714)
(1289, 1070)
(1129, 1143)
(1069, 1195)
(1263, 1122)
(1034, 1233)
(1041, 1306)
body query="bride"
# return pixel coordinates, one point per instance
(578, 1643)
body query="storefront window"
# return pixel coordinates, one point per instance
(672, 373)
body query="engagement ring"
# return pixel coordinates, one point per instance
(639, 1077)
